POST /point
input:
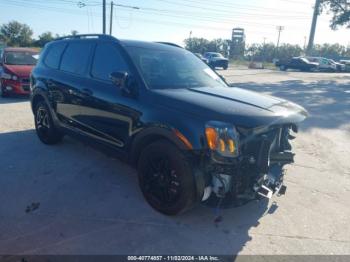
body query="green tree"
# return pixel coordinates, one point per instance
(16, 34)
(340, 10)
(74, 32)
(267, 52)
(202, 45)
(44, 38)
(334, 51)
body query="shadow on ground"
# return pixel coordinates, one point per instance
(327, 102)
(72, 199)
(14, 99)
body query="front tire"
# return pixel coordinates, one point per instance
(2, 92)
(166, 178)
(44, 126)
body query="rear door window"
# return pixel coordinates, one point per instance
(54, 54)
(76, 57)
(107, 59)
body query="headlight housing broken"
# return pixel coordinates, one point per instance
(222, 138)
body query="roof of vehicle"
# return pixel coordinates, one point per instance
(123, 42)
(20, 49)
(151, 45)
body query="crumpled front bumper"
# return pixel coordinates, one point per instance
(258, 172)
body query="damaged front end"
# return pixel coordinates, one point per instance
(257, 169)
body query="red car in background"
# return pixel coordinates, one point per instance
(16, 65)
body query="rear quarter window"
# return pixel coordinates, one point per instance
(53, 56)
(76, 57)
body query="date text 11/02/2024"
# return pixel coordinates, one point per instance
(173, 258)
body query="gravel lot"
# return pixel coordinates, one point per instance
(73, 199)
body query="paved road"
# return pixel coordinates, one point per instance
(80, 201)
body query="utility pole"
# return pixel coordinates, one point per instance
(279, 29)
(104, 16)
(111, 19)
(313, 26)
(264, 49)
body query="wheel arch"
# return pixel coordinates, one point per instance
(35, 100)
(152, 134)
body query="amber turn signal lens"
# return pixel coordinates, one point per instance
(222, 145)
(212, 137)
(183, 139)
(231, 146)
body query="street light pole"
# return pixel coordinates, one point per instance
(313, 27)
(111, 19)
(104, 16)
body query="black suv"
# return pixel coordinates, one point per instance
(297, 63)
(192, 137)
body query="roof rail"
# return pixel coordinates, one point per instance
(168, 43)
(87, 36)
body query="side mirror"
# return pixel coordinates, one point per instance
(125, 82)
(119, 78)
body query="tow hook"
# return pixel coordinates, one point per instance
(264, 190)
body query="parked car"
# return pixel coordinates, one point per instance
(339, 66)
(216, 60)
(346, 63)
(324, 64)
(159, 107)
(16, 65)
(201, 57)
(297, 63)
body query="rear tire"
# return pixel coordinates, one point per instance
(166, 178)
(283, 68)
(44, 126)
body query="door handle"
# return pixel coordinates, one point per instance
(87, 92)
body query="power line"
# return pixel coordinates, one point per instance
(161, 12)
(154, 11)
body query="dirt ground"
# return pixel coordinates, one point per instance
(73, 199)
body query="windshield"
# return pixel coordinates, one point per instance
(216, 55)
(21, 58)
(304, 60)
(172, 68)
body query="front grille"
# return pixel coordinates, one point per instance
(25, 80)
(259, 147)
(25, 87)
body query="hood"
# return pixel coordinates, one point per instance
(20, 70)
(230, 104)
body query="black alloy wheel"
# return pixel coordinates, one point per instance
(45, 129)
(166, 178)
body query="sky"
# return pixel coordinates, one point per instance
(173, 20)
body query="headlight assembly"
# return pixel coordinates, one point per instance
(9, 76)
(222, 138)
